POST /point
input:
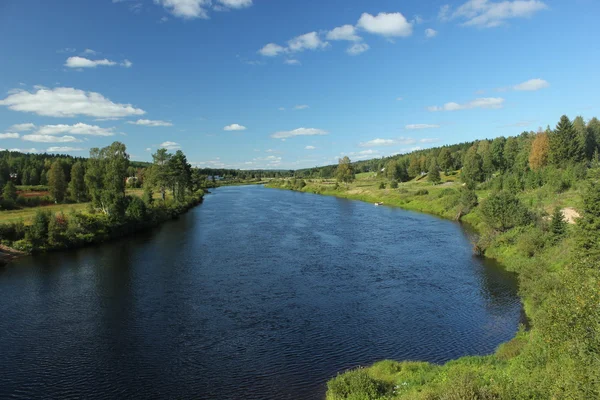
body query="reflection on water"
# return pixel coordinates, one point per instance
(256, 294)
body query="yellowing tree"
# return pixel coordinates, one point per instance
(540, 148)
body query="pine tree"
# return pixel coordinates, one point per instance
(10, 191)
(558, 225)
(565, 146)
(588, 226)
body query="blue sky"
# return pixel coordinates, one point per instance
(273, 84)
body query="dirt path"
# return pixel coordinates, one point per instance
(570, 214)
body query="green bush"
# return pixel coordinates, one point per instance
(394, 185)
(503, 211)
(382, 185)
(422, 192)
(356, 385)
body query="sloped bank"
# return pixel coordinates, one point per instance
(548, 361)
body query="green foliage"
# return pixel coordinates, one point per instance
(77, 187)
(57, 181)
(503, 211)
(588, 226)
(472, 171)
(356, 385)
(467, 201)
(394, 185)
(382, 185)
(565, 146)
(345, 171)
(422, 192)
(558, 225)
(9, 192)
(136, 210)
(434, 172)
(37, 233)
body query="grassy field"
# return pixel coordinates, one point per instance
(27, 214)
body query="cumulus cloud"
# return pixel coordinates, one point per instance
(67, 102)
(299, 132)
(430, 33)
(487, 103)
(186, 9)
(82, 62)
(386, 24)
(532, 85)
(421, 126)
(357, 48)
(49, 138)
(234, 127)
(309, 148)
(22, 127)
(63, 149)
(9, 135)
(148, 122)
(170, 145)
(272, 50)
(345, 32)
(490, 14)
(308, 41)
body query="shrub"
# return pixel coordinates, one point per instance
(356, 385)
(394, 185)
(422, 192)
(382, 185)
(503, 211)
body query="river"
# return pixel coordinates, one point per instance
(255, 294)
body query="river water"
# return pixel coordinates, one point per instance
(255, 294)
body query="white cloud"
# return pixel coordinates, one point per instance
(186, 9)
(63, 149)
(299, 132)
(385, 24)
(399, 98)
(234, 127)
(378, 142)
(487, 103)
(272, 50)
(281, 108)
(68, 102)
(148, 122)
(22, 127)
(429, 140)
(76, 129)
(421, 126)
(82, 62)
(126, 63)
(301, 107)
(291, 61)
(236, 3)
(32, 150)
(489, 14)
(9, 135)
(170, 145)
(309, 148)
(90, 51)
(346, 32)
(430, 33)
(308, 41)
(532, 85)
(444, 13)
(357, 48)
(50, 139)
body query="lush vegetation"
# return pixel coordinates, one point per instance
(102, 206)
(517, 192)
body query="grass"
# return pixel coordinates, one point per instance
(26, 214)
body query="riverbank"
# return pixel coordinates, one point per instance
(511, 372)
(50, 231)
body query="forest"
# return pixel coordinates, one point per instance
(534, 200)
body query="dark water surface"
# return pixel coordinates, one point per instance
(256, 294)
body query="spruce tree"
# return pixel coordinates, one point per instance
(565, 146)
(558, 225)
(434, 172)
